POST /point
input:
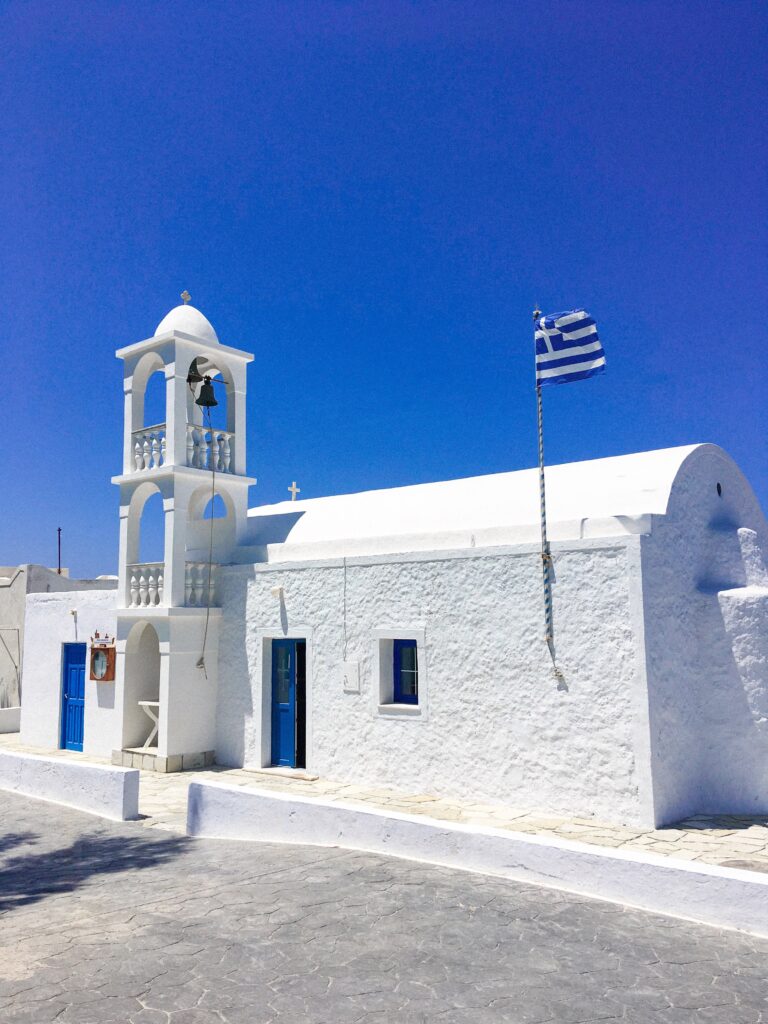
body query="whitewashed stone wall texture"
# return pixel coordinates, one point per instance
(49, 624)
(706, 606)
(497, 726)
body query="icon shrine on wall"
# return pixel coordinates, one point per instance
(103, 658)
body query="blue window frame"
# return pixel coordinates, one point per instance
(405, 672)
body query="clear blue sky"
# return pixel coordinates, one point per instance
(371, 197)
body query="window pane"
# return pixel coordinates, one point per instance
(408, 659)
(283, 674)
(408, 683)
(406, 672)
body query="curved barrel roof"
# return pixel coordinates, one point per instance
(497, 508)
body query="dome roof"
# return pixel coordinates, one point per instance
(188, 320)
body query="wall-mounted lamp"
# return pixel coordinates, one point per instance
(277, 592)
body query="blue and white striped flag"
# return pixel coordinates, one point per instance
(567, 348)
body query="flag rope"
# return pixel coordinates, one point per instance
(546, 557)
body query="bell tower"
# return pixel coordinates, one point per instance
(168, 617)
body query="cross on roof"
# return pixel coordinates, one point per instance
(294, 490)
(185, 297)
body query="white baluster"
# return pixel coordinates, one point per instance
(163, 444)
(226, 453)
(204, 449)
(151, 587)
(190, 445)
(147, 451)
(134, 586)
(155, 451)
(198, 460)
(143, 592)
(138, 454)
(160, 585)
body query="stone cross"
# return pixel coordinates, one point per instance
(185, 296)
(294, 490)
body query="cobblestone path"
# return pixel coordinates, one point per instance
(105, 923)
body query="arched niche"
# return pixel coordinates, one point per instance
(142, 682)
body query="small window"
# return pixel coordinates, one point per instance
(405, 672)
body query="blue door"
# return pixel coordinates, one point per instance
(72, 696)
(288, 702)
(284, 703)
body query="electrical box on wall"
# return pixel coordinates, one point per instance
(350, 676)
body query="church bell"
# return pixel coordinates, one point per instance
(194, 376)
(206, 399)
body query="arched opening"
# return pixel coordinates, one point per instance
(154, 399)
(210, 430)
(146, 548)
(152, 530)
(210, 534)
(215, 509)
(142, 684)
(148, 414)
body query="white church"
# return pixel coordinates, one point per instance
(394, 638)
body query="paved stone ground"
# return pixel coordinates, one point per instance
(114, 924)
(730, 840)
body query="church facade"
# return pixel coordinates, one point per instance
(394, 638)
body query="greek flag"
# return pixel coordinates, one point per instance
(567, 348)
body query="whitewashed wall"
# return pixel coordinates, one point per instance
(49, 623)
(13, 593)
(706, 617)
(15, 583)
(495, 725)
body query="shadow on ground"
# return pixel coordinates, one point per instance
(29, 877)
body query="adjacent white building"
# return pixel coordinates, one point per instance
(395, 637)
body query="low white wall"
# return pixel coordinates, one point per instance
(49, 624)
(100, 789)
(10, 719)
(709, 894)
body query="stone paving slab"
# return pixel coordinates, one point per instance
(728, 840)
(107, 923)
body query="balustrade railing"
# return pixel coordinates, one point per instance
(196, 581)
(209, 449)
(149, 447)
(145, 584)
(206, 449)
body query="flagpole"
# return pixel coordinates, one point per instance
(546, 557)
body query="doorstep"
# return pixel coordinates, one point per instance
(148, 760)
(275, 771)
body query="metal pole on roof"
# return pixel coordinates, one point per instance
(546, 556)
(58, 531)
